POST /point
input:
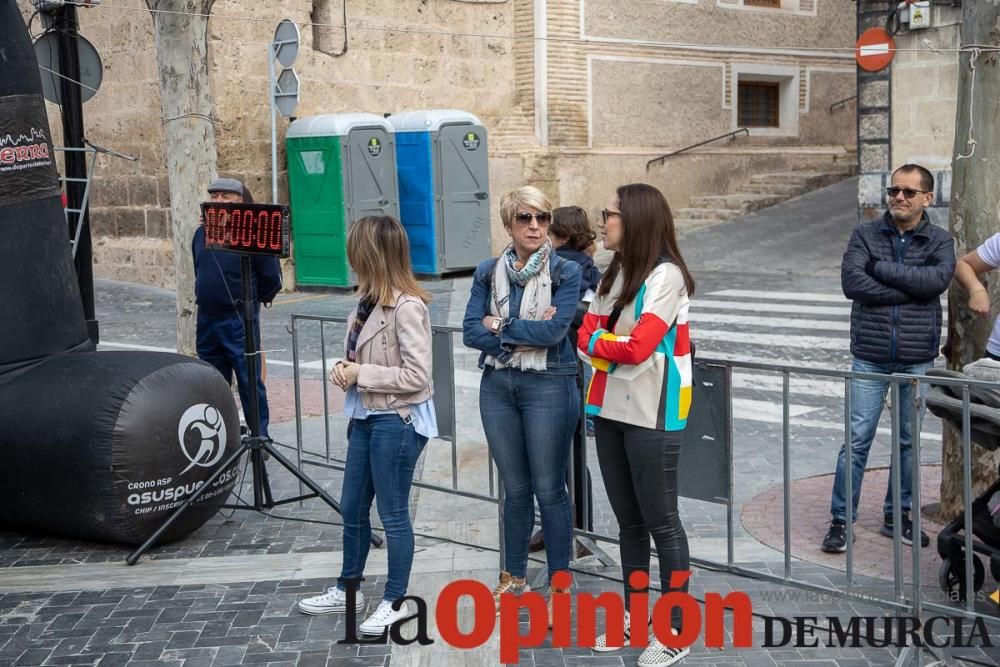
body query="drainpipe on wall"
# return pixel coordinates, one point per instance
(541, 72)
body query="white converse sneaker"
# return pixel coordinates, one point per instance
(334, 601)
(658, 655)
(601, 645)
(383, 617)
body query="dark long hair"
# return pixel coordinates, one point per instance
(647, 236)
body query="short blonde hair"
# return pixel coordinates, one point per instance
(526, 195)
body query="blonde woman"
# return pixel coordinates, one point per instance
(520, 309)
(386, 374)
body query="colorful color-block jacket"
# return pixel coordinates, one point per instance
(642, 368)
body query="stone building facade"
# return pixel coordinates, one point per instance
(925, 98)
(577, 95)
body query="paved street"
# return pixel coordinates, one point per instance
(768, 292)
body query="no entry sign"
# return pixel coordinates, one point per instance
(874, 49)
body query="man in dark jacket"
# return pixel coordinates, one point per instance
(895, 270)
(218, 286)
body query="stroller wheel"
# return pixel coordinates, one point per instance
(951, 577)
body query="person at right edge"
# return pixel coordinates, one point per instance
(894, 270)
(635, 335)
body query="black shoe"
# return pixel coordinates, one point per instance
(835, 541)
(906, 533)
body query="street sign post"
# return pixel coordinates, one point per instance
(283, 88)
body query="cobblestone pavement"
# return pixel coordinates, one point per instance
(224, 595)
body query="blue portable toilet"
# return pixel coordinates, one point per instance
(444, 202)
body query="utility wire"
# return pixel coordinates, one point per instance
(515, 37)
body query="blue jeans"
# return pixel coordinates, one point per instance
(382, 453)
(220, 343)
(529, 419)
(867, 397)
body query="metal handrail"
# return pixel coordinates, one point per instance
(842, 103)
(728, 135)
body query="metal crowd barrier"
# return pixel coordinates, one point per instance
(707, 469)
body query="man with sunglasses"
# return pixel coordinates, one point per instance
(895, 270)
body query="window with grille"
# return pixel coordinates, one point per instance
(758, 104)
(776, 4)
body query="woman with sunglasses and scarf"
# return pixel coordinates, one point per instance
(635, 336)
(520, 308)
(386, 373)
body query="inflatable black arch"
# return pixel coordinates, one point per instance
(93, 445)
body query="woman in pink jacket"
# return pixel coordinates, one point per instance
(386, 373)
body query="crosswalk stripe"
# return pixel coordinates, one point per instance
(755, 410)
(775, 340)
(704, 354)
(788, 296)
(756, 307)
(770, 322)
(780, 296)
(796, 386)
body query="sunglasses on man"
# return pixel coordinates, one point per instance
(908, 193)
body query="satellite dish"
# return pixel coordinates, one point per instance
(91, 68)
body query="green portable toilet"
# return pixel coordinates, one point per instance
(341, 167)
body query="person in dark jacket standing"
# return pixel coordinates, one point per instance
(895, 270)
(572, 239)
(218, 286)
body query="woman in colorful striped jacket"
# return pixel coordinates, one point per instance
(635, 336)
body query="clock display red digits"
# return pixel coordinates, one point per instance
(260, 231)
(274, 233)
(235, 226)
(210, 225)
(246, 238)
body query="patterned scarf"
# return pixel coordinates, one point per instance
(536, 280)
(365, 308)
(534, 264)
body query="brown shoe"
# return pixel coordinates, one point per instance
(509, 584)
(582, 551)
(537, 542)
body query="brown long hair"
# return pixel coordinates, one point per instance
(647, 235)
(379, 253)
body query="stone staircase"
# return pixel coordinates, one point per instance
(762, 191)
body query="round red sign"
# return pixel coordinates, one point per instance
(874, 49)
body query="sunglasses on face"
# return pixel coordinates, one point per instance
(524, 218)
(908, 193)
(608, 213)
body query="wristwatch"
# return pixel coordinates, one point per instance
(496, 324)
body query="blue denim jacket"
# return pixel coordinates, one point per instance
(551, 334)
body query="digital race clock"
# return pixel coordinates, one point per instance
(258, 229)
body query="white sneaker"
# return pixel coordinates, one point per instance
(334, 601)
(383, 617)
(601, 645)
(658, 655)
